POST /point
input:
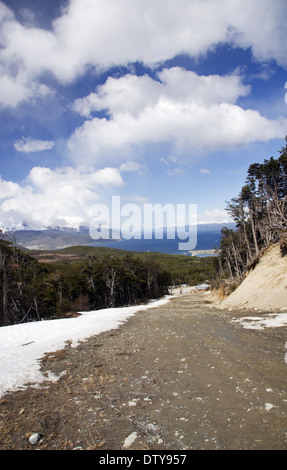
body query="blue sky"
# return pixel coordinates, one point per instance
(162, 101)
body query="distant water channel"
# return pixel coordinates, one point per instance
(206, 240)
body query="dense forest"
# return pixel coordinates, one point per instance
(260, 213)
(86, 278)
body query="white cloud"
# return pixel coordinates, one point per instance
(183, 109)
(27, 145)
(28, 16)
(214, 216)
(12, 91)
(152, 31)
(18, 88)
(172, 170)
(5, 12)
(64, 196)
(8, 189)
(131, 94)
(204, 171)
(133, 167)
(101, 34)
(176, 172)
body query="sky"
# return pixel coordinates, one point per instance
(153, 101)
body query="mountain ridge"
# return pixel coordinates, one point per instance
(53, 238)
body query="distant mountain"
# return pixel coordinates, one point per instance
(54, 238)
(51, 239)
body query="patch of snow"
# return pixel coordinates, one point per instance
(22, 346)
(272, 320)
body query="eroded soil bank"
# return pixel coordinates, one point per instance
(182, 376)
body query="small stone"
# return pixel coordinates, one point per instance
(34, 438)
(151, 428)
(130, 440)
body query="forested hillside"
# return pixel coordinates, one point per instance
(260, 213)
(41, 285)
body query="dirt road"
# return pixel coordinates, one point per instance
(182, 376)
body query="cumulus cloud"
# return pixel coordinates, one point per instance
(179, 107)
(27, 145)
(131, 94)
(76, 192)
(102, 34)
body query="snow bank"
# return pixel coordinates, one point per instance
(22, 346)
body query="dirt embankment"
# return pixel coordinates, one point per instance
(264, 288)
(181, 376)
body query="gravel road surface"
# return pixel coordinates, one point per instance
(183, 376)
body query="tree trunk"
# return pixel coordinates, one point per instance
(254, 232)
(4, 310)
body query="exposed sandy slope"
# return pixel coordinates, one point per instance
(264, 288)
